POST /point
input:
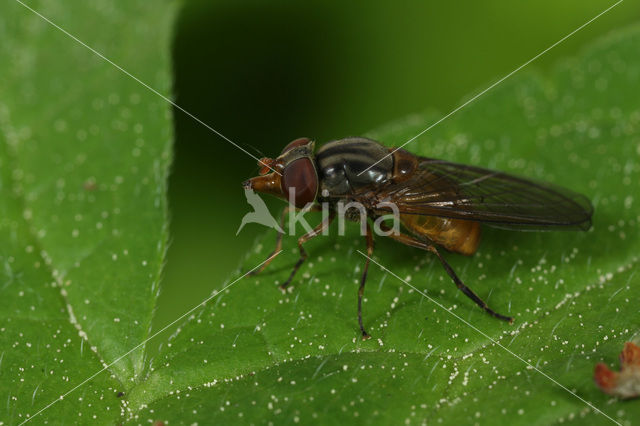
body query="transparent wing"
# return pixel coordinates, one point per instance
(441, 188)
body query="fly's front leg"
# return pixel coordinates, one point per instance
(306, 237)
(369, 238)
(279, 237)
(414, 242)
(275, 251)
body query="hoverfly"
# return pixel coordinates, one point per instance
(441, 204)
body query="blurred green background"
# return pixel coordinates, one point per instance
(264, 73)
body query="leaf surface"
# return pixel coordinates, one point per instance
(84, 157)
(84, 154)
(255, 355)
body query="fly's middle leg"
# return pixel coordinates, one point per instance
(369, 237)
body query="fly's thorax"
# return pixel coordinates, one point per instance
(342, 165)
(344, 207)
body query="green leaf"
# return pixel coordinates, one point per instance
(84, 157)
(254, 355)
(84, 154)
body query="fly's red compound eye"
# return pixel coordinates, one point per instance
(295, 143)
(300, 177)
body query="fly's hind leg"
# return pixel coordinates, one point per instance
(303, 254)
(414, 242)
(466, 290)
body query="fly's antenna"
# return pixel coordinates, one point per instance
(259, 153)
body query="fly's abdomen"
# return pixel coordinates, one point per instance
(460, 236)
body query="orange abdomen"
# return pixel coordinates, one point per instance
(460, 236)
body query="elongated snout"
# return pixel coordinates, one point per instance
(267, 184)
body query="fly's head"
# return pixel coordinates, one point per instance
(292, 176)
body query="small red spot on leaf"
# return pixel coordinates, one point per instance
(626, 383)
(605, 378)
(90, 185)
(630, 355)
